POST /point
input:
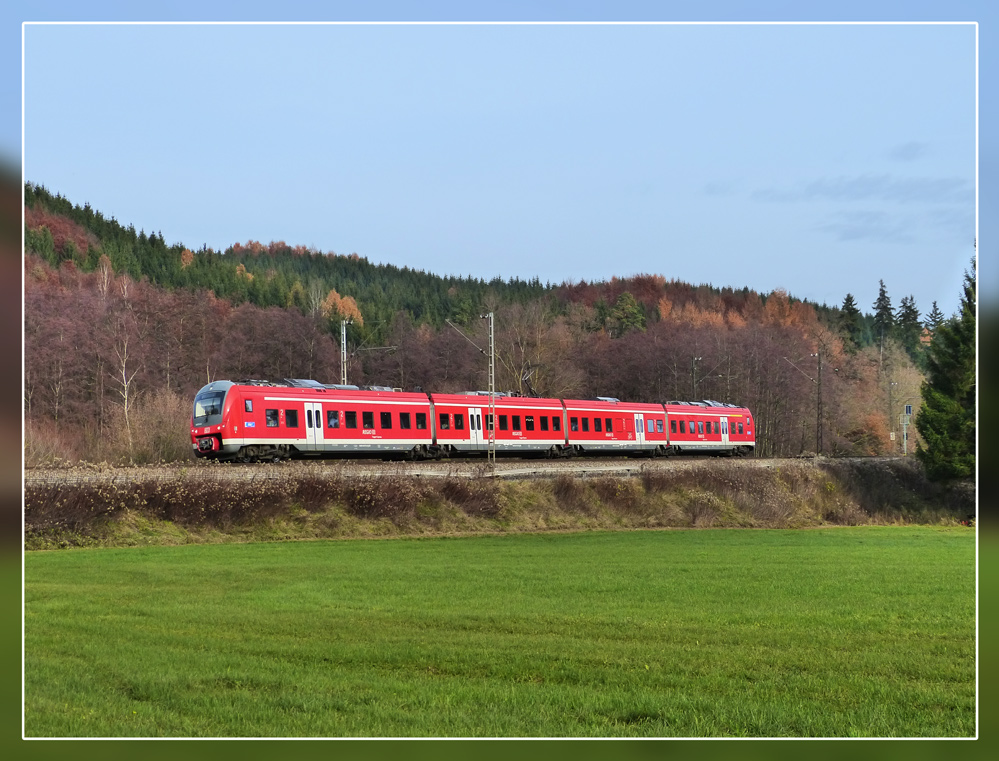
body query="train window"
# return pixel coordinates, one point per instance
(672, 426)
(332, 418)
(421, 421)
(489, 423)
(659, 426)
(248, 405)
(700, 426)
(556, 423)
(368, 420)
(503, 422)
(544, 422)
(650, 426)
(478, 422)
(597, 424)
(586, 425)
(459, 421)
(716, 427)
(574, 424)
(740, 428)
(405, 420)
(272, 418)
(386, 421)
(608, 424)
(529, 422)
(692, 426)
(350, 419)
(683, 426)
(291, 418)
(308, 418)
(516, 422)
(725, 426)
(445, 421)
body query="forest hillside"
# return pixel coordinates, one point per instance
(121, 329)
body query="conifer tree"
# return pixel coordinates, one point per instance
(884, 318)
(908, 327)
(850, 326)
(627, 314)
(934, 319)
(946, 420)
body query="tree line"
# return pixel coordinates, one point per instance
(121, 330)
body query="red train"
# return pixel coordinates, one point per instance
(261, 420)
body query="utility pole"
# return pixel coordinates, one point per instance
(693, 378)
(343, 350)
(491, 420)
(818, 408)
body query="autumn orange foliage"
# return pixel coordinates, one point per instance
(63, 230)
(343, 307)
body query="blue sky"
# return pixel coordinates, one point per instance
(815, 158)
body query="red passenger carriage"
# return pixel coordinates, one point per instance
(609, 426)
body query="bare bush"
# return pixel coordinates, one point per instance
(572, 494)
(159, 424)
(475, 497)
(47, 443)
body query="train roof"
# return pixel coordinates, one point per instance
(504, 400)
(705, 404)
(609, 404)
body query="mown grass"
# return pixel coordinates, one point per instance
(832, 632)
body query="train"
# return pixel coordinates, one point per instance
(259, 420)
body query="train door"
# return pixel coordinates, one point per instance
(477, 438)
(724, 430)
(314, 424)
(639, 429)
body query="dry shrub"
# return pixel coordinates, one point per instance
(572, 495)
(160, 425)
(393, 498)
(621, 494)
(741, 494)
(69, 507)
(701, 507)
(47, 443)
(476, 497)
(897, 489)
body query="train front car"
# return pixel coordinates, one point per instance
(209, 422)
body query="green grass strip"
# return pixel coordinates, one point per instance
(864, 631)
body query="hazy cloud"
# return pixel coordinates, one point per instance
(868, 225)
(718, 189)
(957, 221)
(908, 151)
(882, 187)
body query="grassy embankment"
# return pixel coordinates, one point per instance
(863, 631)
(324, 502)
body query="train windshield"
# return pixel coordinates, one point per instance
(208, 408)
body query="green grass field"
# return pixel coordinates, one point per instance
(836, 632)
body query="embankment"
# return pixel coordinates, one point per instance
(129, 507)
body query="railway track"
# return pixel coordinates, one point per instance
(505, 469)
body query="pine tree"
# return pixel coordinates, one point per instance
(908, 327)
(934, 319)
(884, 318)
(946, 420)
(626, 315)
(850, 326)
